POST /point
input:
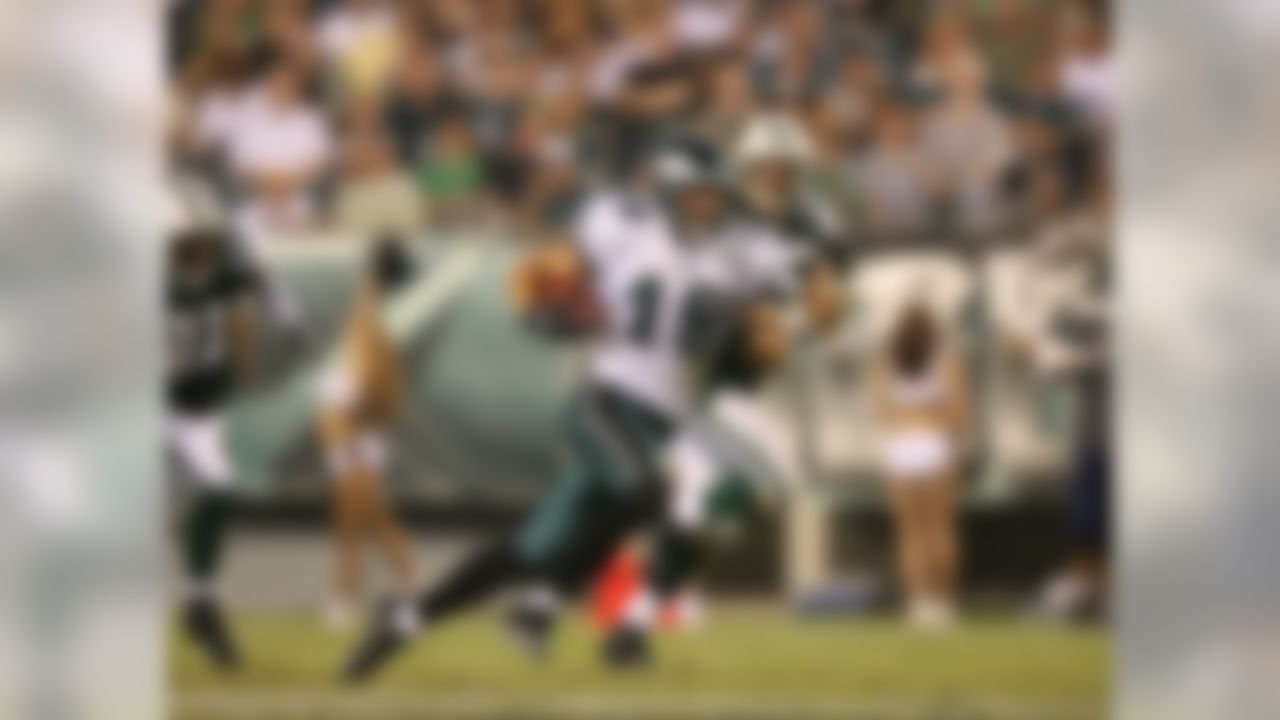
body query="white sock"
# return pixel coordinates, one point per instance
(1063, 594)
(641, 610)
(405, 618)
(540, 598)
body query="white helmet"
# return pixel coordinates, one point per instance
(773, 137)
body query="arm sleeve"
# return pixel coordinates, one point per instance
(598, 232)
(774, 267)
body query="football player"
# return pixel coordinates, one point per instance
(638, 270)
(731, 323)
(209, 339)
(730, 458)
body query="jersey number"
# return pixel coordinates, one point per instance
(197, 339)
(646, 297)
(697, 318)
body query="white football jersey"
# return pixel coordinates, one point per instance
(644, 279)
(748, 260)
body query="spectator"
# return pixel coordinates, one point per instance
(286, 28)
(1085, 73)
(1012, 36)
(921, 398)
(968, 145)
(279, 146)
(790, 50)
(451, 175)
(731, 102)
(859, 85)
(708, 26)
(374, 195)
(893, 173)
(419, 99)
(642, 36)
(360, 39)
(215, 97)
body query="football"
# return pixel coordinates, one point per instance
(563, 299)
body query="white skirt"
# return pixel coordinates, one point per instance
(916, 454)
(366, 452)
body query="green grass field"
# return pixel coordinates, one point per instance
(746, 662)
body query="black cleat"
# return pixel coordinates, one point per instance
(384, 639)
(531, 630)
(208, 629)
(627, 649)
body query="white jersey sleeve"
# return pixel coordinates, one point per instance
(602, 229)
(640, 277)
(771, 265)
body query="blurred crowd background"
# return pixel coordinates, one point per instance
(369, 115)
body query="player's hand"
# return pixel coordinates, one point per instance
(823, 299)
(767, 335)
(552, 293)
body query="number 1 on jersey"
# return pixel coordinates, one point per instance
(647, 298)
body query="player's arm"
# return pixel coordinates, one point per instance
(242, 339)
(557, 260)
(552, 292)
(880, 382)
(767, 338)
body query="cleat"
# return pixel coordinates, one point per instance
(530, 630)
(389, 632)
(206, 626)
(627, 649)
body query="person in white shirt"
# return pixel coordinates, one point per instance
(278, 145)
(1086, 76)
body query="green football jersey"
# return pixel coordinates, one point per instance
(200, 373)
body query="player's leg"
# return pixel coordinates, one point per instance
(200, 444)
(584, 545)
(474, 580)
(514, 558)
(612, 440)
(617, 443)
(675, 551)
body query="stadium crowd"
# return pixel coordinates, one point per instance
(371, 115)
